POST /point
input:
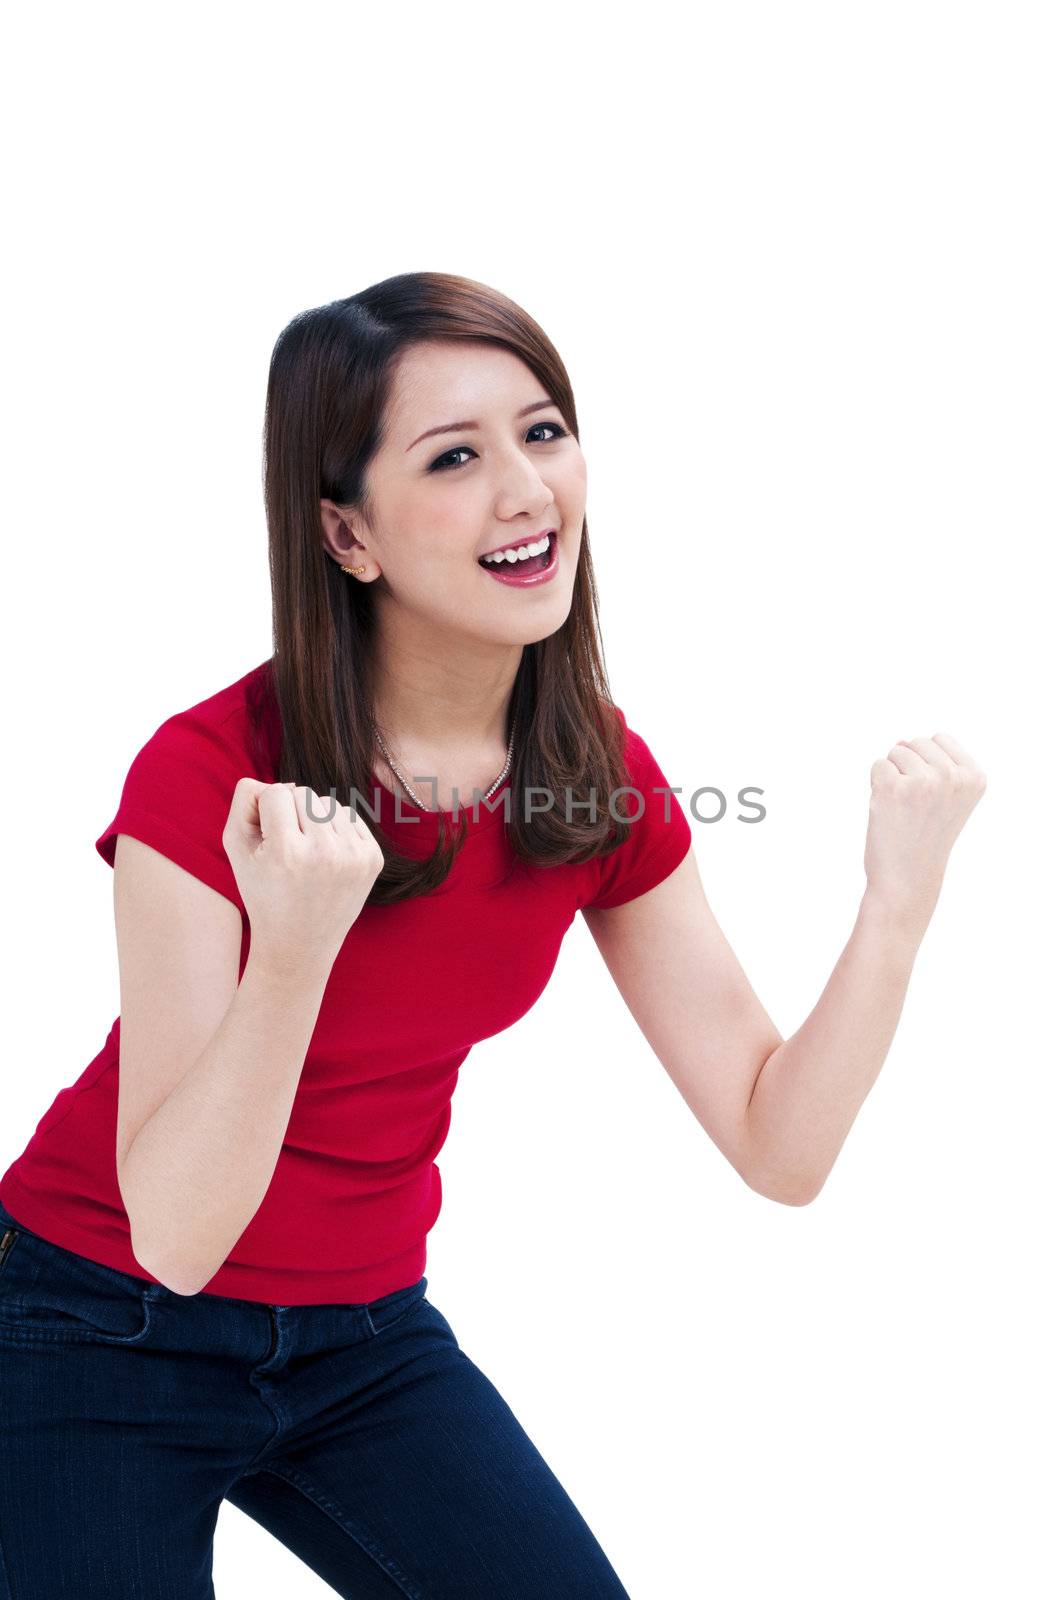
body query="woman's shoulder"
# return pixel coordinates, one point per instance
(237, 700)
(659, 835)
(637, 754)
(179, 788)
(235, 723)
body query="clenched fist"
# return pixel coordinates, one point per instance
(303, 880)
(921, 796)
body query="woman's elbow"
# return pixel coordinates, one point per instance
(787, 1190)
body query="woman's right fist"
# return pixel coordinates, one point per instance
(303, 878)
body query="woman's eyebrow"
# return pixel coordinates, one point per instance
(465, 427)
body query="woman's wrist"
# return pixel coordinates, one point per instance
(906, 910)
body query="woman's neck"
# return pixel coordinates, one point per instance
(445, 718)
(453, 699)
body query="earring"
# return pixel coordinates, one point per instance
(354, 571)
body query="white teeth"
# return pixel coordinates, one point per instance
(523, 552)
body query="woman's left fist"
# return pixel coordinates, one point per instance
(921, 796)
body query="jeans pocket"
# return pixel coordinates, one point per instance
(386, 1311)
(51, 1294)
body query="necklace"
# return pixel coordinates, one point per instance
(488, 793)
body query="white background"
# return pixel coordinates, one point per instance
(803, 266)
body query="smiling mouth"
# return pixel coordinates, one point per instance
(533, 571)
(537, 556)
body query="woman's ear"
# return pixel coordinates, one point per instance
(339, 537)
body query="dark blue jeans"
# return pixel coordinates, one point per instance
(360, 1435)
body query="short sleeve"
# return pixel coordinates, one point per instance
(657, 840)
(177, 797)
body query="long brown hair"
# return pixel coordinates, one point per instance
(329, 382)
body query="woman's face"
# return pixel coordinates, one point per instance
(508, 475)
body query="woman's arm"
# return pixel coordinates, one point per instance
(809, 1089)
(780, 1110)
(208, 1068)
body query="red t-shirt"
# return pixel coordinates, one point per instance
(356, 1187)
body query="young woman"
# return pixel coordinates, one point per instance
(332, 877)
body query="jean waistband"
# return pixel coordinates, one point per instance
(383, 1304)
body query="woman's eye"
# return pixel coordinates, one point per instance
(558, 429)
(444, 463)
